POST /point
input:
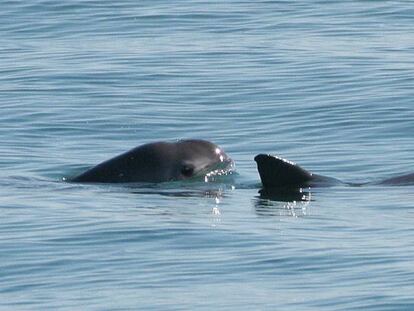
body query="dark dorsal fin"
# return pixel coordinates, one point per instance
(276, 172)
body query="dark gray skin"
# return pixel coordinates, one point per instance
(160, 162)
(403, 180)
(277, 173)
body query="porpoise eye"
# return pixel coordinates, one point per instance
(187, 170)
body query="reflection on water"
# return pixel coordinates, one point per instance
(283, 202)
(270, 202)
(183, 193)
(180, 189)
(286, 195)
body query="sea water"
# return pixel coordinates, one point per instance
(327, 84)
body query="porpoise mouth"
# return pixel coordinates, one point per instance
(217, 171)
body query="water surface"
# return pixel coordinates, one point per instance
(328, 85)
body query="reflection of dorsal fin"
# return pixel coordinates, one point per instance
(276, 172)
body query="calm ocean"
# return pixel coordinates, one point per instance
(327, 84)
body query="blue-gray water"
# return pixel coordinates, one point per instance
(327, 84)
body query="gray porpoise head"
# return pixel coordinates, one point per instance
(161, 162)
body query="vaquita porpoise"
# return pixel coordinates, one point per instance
(193, 158)
(161, 162)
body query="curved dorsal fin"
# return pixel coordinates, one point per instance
(276, 172)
